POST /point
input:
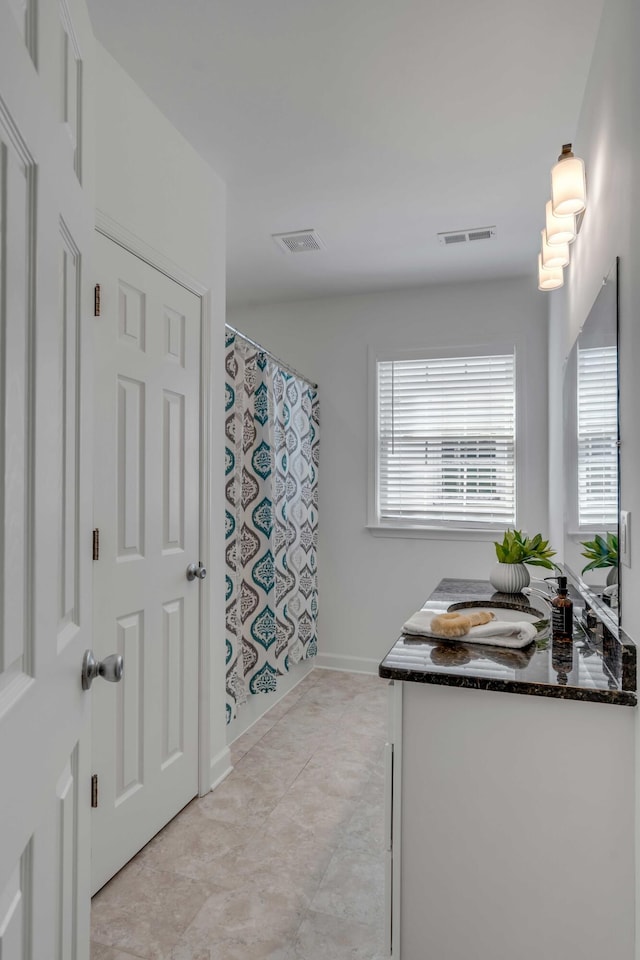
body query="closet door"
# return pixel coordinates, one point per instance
(145, 739)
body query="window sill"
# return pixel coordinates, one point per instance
(587, 532)
(486, 534)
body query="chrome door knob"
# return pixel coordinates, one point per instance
(196, 571)
(111, 668)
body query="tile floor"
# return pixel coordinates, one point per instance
(284, 860)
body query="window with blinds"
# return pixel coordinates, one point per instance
(446, 441)
(597, 416)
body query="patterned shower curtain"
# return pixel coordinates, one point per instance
(271, 521)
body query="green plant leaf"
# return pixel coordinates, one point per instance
(518, 548)
(601, 551)
(541, 562)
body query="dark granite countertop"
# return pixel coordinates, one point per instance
(594, 666)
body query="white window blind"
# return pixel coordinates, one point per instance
(597, 436)
(446, 441)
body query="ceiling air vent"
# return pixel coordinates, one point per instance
(300, 241)
(466, 236)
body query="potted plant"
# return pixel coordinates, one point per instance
(602, 552)
(510, 574)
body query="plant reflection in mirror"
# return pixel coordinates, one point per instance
(600, 552)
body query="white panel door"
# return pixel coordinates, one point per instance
(46, 220)
(147, 408)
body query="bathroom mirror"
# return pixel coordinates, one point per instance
(591, 448)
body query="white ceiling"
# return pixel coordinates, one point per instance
(377, 122)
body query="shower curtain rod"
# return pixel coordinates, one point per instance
(285, 366)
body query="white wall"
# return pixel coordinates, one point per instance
(608, 139)
(370, 585)
(151, 180)
(153, 184)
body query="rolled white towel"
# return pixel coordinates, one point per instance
(499, 633)
(504, 633)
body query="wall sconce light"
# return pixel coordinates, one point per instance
(556, 255)
(559, 229)
(549, 278)
(563, 216)
(568, 184)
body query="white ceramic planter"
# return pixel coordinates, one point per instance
(509, 577)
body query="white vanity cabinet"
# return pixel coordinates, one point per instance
(510, 825)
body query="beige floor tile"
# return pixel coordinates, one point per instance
(361, 687)
(283, 706)
(245, 798)
(347, 780)
(260, 950)
(309, 715)
(354, 745)
(288, 743)
(271, 769)
(100, 952)
(144, 911)
(236, 754)
(284, 851)
(341, 777)
(325, 937)
(257, 913)
(254, 734)
(370, 710)
(309, 809)
(280, 707)
(284, 860)
(365, 830)
(332, 697)
(367, 721)
(335, 677)
(232, 950)
(309, 680)
(378, 778)
(352, 888)
(193, 845)
(183, 951)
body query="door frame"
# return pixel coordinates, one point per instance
(115, 231)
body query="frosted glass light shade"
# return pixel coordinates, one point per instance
(556, 255)
(568, 187)
(549, 278)
(559, 229)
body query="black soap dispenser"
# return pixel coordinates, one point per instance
(561, 610)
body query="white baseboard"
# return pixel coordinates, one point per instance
(340, 661)
(220, 768)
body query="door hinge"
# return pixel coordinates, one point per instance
(96, 300)
(96, 544)
(94, 790)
